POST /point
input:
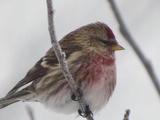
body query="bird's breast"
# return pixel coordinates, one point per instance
(97, 78)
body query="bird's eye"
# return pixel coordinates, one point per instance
(106, 42)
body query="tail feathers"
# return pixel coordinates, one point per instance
(5, 102)
(18, 96)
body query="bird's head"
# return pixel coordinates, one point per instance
(97, 37)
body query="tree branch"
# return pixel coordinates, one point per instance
(30, 112)
(131, 41)
(63, 64)
(126, 115)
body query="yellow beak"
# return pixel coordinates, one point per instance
(117, 47)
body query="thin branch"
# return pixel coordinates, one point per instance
(131, 41)
(126, 115)
(30, 112)
(63, 64)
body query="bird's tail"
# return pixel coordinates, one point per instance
(5, 102)
(18, 96)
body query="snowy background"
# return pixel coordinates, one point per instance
(24, 39)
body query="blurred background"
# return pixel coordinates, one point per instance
(24, 39)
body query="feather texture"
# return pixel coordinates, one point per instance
(91, 60)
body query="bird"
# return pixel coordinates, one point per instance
(90, 55)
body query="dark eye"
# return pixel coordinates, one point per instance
(110, 43)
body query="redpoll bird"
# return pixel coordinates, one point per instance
(90, 56)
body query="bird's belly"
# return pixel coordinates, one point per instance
(96, 91)
(99, 91)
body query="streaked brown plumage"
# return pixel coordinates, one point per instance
(90, 56)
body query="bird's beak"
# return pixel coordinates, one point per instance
(117, 47)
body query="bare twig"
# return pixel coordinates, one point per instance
(63, 65)
(126, 115)
(30, 112)
(131, 41)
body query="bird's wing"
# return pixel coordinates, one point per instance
(37, 71)
(44, 65)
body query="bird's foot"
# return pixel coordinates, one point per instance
(78, 96)
(87, 112)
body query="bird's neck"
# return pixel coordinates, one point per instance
(107, 59)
